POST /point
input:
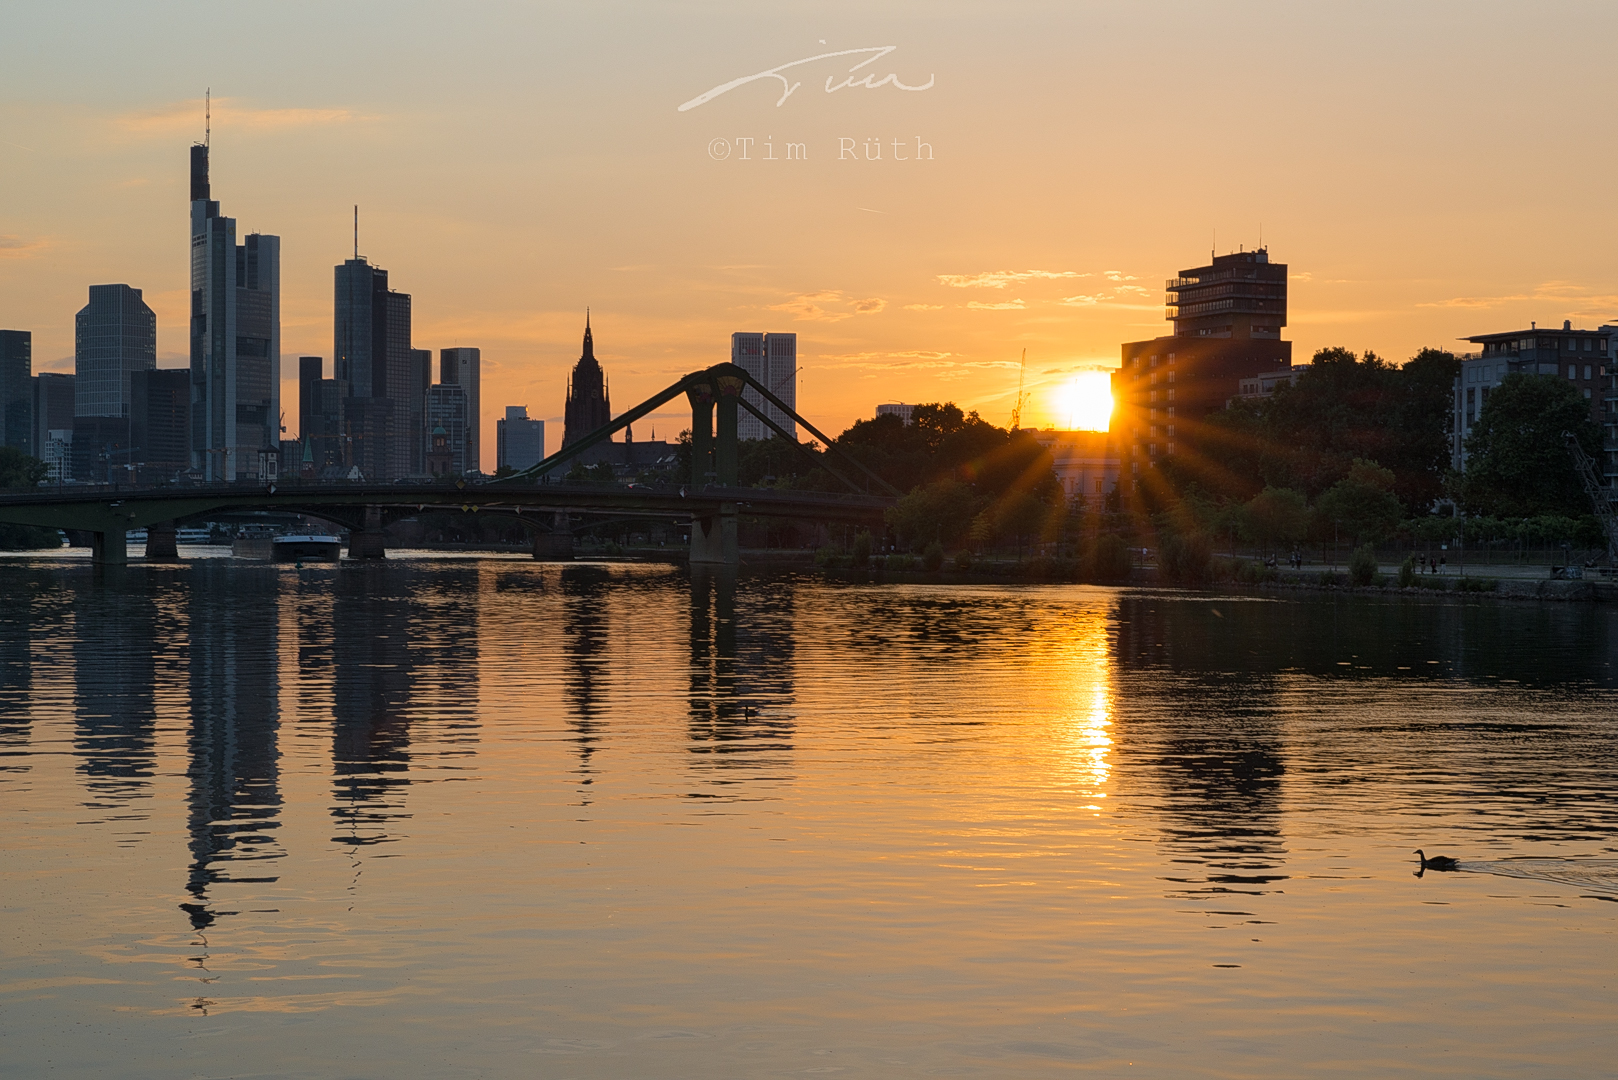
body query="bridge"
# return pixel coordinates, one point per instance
(711, 499)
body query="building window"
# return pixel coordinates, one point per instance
(1171, 358)
(1171, 395)
(1152, 449)
(1586, 392)
(1154, 395)
(1154, 431)
(1589, 344)
(1171, 426)
(1586, 371)
(1171, 376)
(1098, 487)
(1154, 364)
(1154, 378)
(1573, 371)
(1171, 448)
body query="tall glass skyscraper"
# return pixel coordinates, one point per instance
(772, 359)
(387, 379)
(459, 367)
(114, 336)
(235, 341)
(16, 390)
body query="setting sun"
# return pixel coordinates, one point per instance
(1084, 402)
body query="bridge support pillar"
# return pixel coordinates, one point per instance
(724, 443)
(368, 543)
(109, 548)
(713, 539)
(161, 543)
(701, 398)
(556, 545)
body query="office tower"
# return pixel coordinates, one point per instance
(772, 359)
(588, 407)
(446, 423)
(159, 423)
(518, 441)
(372, 355)
(460, 367)
(114, 335)
(421, 379)
(320, 419)
(101, 451)
(235, 341)
(53, 422)
(896, 408)
(17, 390)
(1227, 319)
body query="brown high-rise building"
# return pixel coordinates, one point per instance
(587, 405)
(1227, 327)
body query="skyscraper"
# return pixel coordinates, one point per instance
(446, 416)
(772, 359)
(587, 405)
(518, 441)
(53, 422)
(235, 341)
(320, 417)
(114, 335)
(159, 422)
(16, 390)
(372, 354)
(460, 367)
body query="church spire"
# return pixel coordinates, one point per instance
(589, 346)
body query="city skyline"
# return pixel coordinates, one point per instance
(508, 213)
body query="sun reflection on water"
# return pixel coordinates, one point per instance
(1085, 730)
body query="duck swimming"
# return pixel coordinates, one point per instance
(1437, 862)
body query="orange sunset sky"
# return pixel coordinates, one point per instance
(1427, 171)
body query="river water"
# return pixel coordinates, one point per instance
(490, 818)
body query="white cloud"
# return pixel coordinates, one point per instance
(999, 279)
(1009, 305)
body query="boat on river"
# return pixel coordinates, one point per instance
(308, 547)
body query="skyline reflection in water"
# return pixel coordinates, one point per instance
(490, 817)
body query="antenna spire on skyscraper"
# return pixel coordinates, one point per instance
(207, 117)
(356, 230)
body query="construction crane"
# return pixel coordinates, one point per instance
(1585, 466)
(1016, 410)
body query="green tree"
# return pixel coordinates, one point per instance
(1362, 504)
(20, 470)
(1517, 459)
(1277, 517)
(941, 511)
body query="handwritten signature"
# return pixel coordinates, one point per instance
(870, 81)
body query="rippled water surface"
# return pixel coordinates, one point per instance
(495, 818)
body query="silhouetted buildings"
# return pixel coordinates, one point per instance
(1227, 319)
(772, 359)
(587, 405)
(460, 367)
(385, 377)
(320, 421)
(518, 441)
(159, 423)
(1576, 355)
(114, 336)
(16, 390)
(235, 341)
(53, 423)
(446, 430)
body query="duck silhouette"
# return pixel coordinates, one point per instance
(1437, 862)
